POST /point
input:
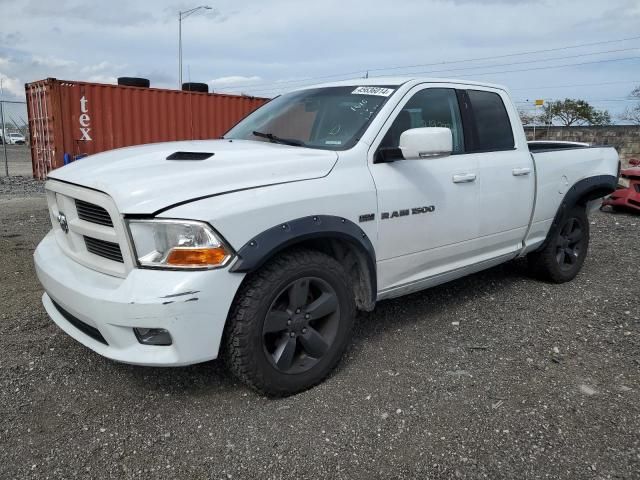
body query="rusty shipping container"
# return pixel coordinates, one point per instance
(74, 119)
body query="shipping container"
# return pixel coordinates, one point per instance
(69, 120)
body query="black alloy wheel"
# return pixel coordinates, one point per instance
(290, 322)
(563, 254)
(301, 325)
(569, 243)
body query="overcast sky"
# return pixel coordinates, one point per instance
(266, 47)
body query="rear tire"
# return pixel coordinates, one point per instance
(563, 255)
(290, 323)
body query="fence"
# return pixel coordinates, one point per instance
(625, 138)
(13, 120)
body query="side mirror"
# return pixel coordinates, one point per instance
(426, 142)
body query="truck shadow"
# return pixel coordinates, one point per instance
(433, 305)
(437, 302)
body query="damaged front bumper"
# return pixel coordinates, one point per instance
(102, 311)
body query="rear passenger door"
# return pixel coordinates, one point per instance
(506, 177)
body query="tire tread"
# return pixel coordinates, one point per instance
(243, 318)
(543, 265)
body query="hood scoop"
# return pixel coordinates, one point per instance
(190, 156)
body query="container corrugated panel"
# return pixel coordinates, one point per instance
(81, 118)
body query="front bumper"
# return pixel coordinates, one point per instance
(192, 306)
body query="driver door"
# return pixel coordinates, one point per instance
(427, 209)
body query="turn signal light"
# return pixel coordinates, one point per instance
(185, 256)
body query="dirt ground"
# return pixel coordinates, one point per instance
(492, 376)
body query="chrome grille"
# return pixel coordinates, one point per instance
(102, 248)
(96, 236)
(93, 213)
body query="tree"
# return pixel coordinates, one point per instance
(632, 114)
(600, 117)
(576, 112)
(526, 118)
(536, 117)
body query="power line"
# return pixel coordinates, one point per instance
(508, 55)
(493, 72)
(530, 52)
(576, 85)
(553, 66)
(532, 103)
(530, 61)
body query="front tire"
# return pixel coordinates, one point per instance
(563, 256)
(290, 323)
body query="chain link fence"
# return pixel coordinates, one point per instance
(14, 138)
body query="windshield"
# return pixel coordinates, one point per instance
(331, 118)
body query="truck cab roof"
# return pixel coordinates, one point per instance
(397, 81)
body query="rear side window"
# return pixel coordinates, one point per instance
(492, 121)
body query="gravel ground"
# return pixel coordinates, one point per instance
(17, 187)
(491, 376)
(19, 159)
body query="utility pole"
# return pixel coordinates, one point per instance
(538, 103)
(4, 133)
(181, 16)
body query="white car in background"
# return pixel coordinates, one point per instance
(15, 138)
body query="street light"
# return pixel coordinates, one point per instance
(182, 15)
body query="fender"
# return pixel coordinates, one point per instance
(584, 190)
(263, 246)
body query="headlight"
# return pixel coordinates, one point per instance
(182, 244)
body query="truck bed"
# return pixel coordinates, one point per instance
(559, 166)
(546, 145)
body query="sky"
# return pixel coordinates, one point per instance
(539, 49)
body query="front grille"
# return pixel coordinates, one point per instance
(80, 325)
(93, 213)
(95, 237)
(104, 249)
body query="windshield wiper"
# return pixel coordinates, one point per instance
(275, 139)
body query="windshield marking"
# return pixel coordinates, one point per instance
(379, 91)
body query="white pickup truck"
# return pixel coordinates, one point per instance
(259, 247)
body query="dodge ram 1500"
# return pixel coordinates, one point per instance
(260, 246)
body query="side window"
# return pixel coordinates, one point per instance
(431, 107)
(492, 121)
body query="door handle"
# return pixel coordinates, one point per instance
(464, 178)
(519, 172)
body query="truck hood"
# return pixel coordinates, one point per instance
(141, 180)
